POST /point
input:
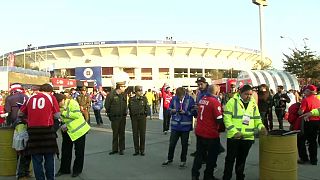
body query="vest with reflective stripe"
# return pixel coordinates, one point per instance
(74, 120)
(233, 118)
(182, 122)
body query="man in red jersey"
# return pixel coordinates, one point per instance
(42, 111)
(166, 96)
(312, 124)
(207, 132)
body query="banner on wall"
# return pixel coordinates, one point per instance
(89, 74)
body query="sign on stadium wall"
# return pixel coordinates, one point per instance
(57, 82)
(89, 73)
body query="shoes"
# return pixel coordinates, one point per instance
(113, 152)
(195, 178)
(183, 165)
(300, 161)
(313, 162)
(165, 132)
(23, 178)
(59, 173)
(193, 154)
(121, 152)
(75, 174)
(136, 153)
(167, 162)
(142, 154)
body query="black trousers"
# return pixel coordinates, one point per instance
(166, 119)
(301, 145)
(311, 133)
(23, 165)
(97, 114)
(66, 153)
(237, 150)
(280, 115)
(118, 133)
(139, 124)
(174, 137)
(211, 148)
(267, 122)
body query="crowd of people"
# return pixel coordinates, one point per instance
(240, 112)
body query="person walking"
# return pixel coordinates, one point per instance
(73, 131)
(265, 104)
(280, 99)
(138, 108)
(241, 117)
(116, 109)
(97, 105)
(207, 132)
(182, 112)
(43, 113)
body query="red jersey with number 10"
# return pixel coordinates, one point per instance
(40, 109)
(209, 109)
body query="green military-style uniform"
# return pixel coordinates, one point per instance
(138, 106)
(116, 109)
(84, 101)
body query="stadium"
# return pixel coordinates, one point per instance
(147, 62)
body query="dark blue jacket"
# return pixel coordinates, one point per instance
(179, 121)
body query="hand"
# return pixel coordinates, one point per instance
(263, 131)
(306, 116)
(4, 115)
(64, 128)
(182, 112)
(238, 135)
(173, 110)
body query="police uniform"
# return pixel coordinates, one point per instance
(138, 106)
(84, 102)
(116, 109)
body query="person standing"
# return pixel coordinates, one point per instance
(207, 131)
(138, 107)
(116, 109)
(265, 104)
(312, 124)
(280, 99)
(241, 117)
(43, 113)
(166, 96)
(182, 112)
(12, 105)
(97, 105)
(150, 97)
(84, 101)
(73, 131)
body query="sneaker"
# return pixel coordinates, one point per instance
(300, 161)
(193, 154)
(167, 162)
(136, 153)
(113, 152)
(121, 152)
(165, 132)
(183, 165)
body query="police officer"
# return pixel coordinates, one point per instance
(138, 106)
(116, 109)
(84, 102)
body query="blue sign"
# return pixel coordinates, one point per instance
(89, 74)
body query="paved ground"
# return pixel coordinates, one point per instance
(100, 165)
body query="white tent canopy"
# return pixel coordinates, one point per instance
(272, 78)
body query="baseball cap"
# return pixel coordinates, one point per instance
(201, 79)
(310, 87)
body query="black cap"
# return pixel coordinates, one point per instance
(201, 79)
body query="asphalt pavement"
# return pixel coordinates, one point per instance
(100, 165)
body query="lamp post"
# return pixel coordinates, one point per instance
(261, 3)
(287, 37)
(304, 41)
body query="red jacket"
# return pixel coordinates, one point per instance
(293, 117)
(166, 96)
(1, 112)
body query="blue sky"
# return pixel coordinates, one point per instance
(226, 22)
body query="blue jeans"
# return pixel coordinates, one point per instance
(37, 160)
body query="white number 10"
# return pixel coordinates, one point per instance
(38, 103)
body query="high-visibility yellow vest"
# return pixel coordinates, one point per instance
(74, 120)
(233, 118)
(315, 112)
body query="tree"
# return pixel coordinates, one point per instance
(303, 63)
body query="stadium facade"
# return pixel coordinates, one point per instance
(148, 62)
